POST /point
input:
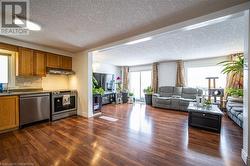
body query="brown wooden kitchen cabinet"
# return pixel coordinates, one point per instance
(54, 61)
(9, 111)
(25, 62)
(8, 47)
(39, 63)
(66, 62)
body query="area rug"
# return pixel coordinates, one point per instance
(108, 118)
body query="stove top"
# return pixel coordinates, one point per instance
(63, 91)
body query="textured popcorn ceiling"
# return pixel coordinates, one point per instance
(211, 41)
(75, 25)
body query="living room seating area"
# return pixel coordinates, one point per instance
(235, 111)
(176, 98)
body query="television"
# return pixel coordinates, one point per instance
(106, 81)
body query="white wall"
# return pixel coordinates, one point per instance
(140, 68)
(167, 73)
(106, 68)
(82, 82)
(205, 62)
(167, 70)
(246, 125)
(55, 82)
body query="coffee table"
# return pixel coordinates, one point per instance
(205, 118)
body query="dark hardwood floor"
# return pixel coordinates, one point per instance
(142, 136)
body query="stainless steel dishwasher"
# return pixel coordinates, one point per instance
(34, 108)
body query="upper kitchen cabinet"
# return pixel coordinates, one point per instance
(8, 47)
(25, 62)
(67, 62)
(39, 63)
(54, 61)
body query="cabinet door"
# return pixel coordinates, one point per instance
(39, 63)
(54, 61)
(66, 62)
(9, 111)
(25, 62)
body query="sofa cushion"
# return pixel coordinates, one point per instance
(235, 113)
(200, 92)
(163, 100)
(189, 93)
(234, 104)
(240, 116)
(166, 91)
(177, 91)
(237, 109)
(185, 102)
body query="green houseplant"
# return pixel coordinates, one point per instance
(148, 95)
(95, 89)
(235, 67)
(98, 92)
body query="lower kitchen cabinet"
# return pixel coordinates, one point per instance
(9, 113)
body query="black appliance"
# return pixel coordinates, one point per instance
(105, 81)
(63, 104)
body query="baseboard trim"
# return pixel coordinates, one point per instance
(244, 157)
(84, 114)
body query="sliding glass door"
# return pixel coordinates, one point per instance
(138, 81)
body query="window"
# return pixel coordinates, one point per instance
(138, 81)
(196, 76)
(4, 72)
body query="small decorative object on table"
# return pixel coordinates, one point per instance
(207, 104)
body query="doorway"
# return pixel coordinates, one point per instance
(138, 81)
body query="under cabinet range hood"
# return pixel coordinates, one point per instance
(59, 71)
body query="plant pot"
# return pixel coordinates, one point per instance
(130, 100)
(148, 99)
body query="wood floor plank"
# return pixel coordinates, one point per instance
(143, 135)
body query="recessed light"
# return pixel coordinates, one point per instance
(96, 51)
(29, 24)
(139, 41)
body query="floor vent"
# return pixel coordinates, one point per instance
(108, 118)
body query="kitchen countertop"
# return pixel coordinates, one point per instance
(15, 93)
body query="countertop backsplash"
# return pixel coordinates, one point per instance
(28, 82)
(50, 82)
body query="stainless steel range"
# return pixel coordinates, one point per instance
(63, 103)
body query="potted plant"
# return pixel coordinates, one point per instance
(148, 95)
(235, 67)
(98, 92)
(131, 98)
(235, 92)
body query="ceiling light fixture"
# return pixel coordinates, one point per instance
(206, 23)
(29, 24)
(139, 41)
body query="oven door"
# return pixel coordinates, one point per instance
(58, 107)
